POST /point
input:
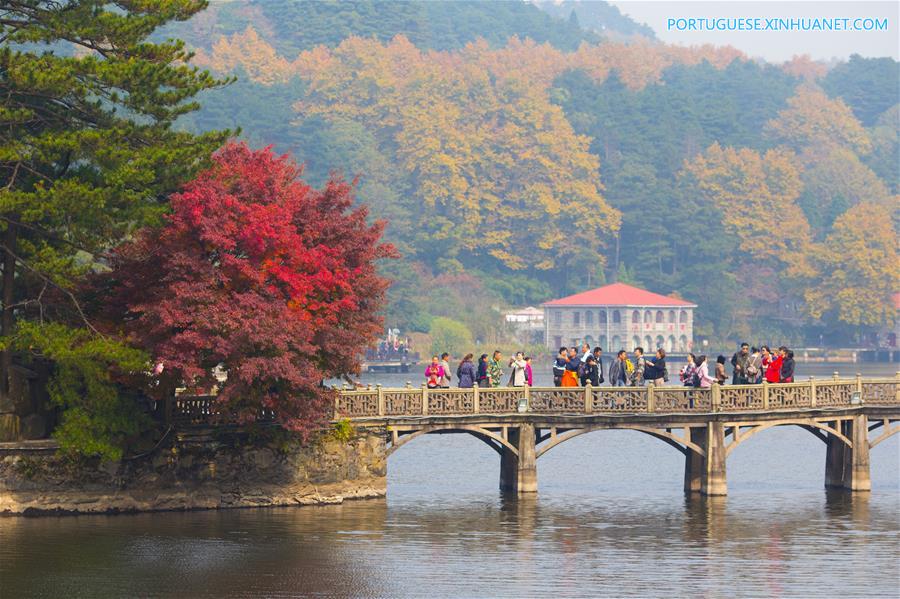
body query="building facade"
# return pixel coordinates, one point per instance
(527, 324)
(620, 316)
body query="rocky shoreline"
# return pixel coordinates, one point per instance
(192, 475)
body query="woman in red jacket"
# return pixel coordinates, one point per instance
(773, 369)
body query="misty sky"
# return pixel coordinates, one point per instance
(775, 46)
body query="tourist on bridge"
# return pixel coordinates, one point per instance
(586, 372)
(573, 363)
(655, 369)
(495, 371)
(701, 373)
(686, 376)
(618, 371)
(434, 372)
(482, 377)
(592, 372)
(637, 376)
(754, 368)
(517, 376)
(740, 361)
(598, 353)
(721, 375)
(787, 365)
(559, 366)
(466, 373)
(585, 352)
(445, 364)
(529, 373)
(765, 358)
(773, 369)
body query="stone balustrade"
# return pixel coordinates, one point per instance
(378, 401)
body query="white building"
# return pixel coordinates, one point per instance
(526, 315)
(620, 316)
(527, 323)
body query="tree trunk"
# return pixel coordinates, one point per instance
(8, 296)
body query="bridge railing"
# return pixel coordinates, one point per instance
(380, 401)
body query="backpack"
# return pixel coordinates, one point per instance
(665, 375)
(695, 378)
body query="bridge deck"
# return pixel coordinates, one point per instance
(633, 401)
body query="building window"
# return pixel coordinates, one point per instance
(636, 317)
(683, 317)
(557, 317)
(660, 317)
(601, 316)
(557, 342)
(576, 318)
(616, 343)
(648, 317)
(635, 342)
(672, 316)
(588, 318)
(603, 344)
(617, 318)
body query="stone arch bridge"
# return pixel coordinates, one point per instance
(850, 416)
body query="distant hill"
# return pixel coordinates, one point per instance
(293, 26)
(599, 17)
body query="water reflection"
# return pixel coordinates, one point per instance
(783, 544)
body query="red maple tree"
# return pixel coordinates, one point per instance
(258, 273)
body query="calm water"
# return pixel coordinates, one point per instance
(610, 520)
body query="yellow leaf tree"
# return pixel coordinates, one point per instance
(857, 270)
(813, 119)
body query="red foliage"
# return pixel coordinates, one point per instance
(258, 272)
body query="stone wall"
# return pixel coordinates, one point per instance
(206, 471)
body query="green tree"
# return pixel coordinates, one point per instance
(88, 152)
(448, 335)
(868, 85)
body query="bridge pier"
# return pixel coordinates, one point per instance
(848, 467)
(518, 473)
(694, 463)
(835, 449)
(713, 481)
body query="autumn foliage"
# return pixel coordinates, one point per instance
(260, 275)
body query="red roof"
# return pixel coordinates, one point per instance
(618, 294)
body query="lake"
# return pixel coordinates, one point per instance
(610, 519)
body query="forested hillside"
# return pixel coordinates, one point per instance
(519, 157)
(291, 26)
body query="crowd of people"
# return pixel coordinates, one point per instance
(487, 373)
(571, 368)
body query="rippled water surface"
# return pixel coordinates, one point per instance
(610, 520)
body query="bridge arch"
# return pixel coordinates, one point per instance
(890, 429)
(494, 440)
(682, 444)
(812, 426)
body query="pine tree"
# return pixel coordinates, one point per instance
(88, 151)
